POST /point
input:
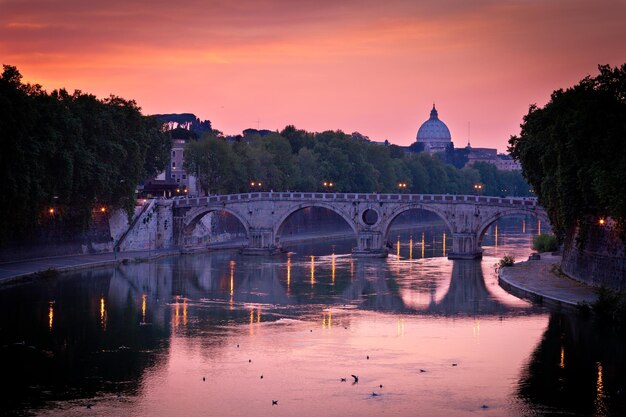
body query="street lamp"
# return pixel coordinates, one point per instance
(478, 188)
(256, 185)
(328, 185)
(402, 186)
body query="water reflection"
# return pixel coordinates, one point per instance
(151, 331)
(576, 369)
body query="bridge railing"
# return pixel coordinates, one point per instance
(361, 197)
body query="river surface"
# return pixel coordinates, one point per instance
(219, 334)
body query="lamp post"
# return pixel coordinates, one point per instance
(478, 187)
(256, 185)
(328, 185)
(402, 186)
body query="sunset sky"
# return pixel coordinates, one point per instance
(370, 66)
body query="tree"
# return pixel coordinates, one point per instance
(70, 153)
(211, 159)
(573, 151)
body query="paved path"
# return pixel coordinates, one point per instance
(536, 280)
(13, 270)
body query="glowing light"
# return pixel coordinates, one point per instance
(539, 226)
(232, 282)
(423, 245)
(411, 248)
(600, 401)
(601, 221)
(103, 313)
(312, 270)
(524, 226)
(332, 268)
(103, 209)
(51, 210)
(176, 312)
(50, 314)
(288, 273)
(562, 361)
(143, 308)
(327, 319)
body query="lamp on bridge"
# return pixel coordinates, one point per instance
(478, 188)
(256, 185)
(402, 186)
(328, 185)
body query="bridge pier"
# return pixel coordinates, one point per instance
(260, 242)
(465, 246)
(370, 244)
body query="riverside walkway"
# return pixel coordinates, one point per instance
(539, 281)
(11, 271)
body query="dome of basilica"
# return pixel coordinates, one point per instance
(434, 133)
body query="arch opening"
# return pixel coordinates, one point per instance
(214, 227)
(414, 233)
(511, 233)
(316, 226)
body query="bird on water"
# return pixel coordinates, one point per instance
(356, 379)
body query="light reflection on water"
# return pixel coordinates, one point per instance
(440, 336)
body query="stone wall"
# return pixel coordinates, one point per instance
(602, 260)
(143, 232)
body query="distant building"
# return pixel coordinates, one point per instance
(176, 171)
(501, 161)
(174, 181)
(434, 134)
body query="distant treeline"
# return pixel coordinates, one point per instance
(303, 161)
(67, 156)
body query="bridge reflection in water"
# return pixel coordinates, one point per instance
(142, 329)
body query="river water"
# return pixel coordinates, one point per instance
(219, 334)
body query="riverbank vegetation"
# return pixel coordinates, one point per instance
(610, 307)
(573, 153)
(298, 160)
(68, 156)
(545, 243)
(506, 260)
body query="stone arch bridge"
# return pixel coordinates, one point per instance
(262, 214)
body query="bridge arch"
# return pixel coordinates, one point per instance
(404, 208)
(278, 226)
(482, 229)
(196, 214)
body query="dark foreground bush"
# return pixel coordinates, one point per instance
(610, 307)
(507, 260)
